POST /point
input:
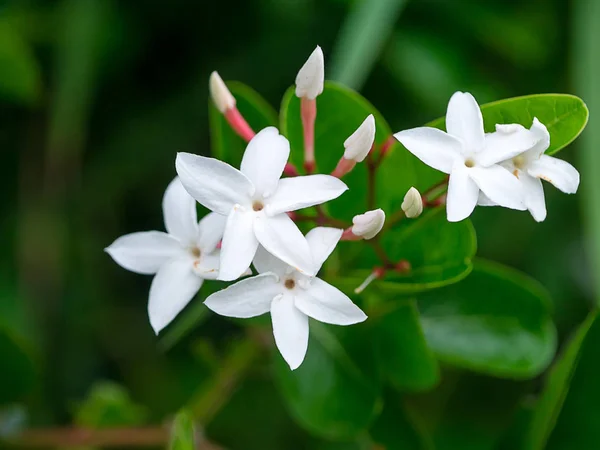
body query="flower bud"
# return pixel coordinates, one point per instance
(223, 99)
(412, 204)
(360, 142)
(367, 225)
(310, 78)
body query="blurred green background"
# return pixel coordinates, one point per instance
(96, 98)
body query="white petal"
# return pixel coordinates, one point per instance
(302, 192)
(310, 78)
(464, 121)
(556, 171)
(500, 186)
(327, 304)
(207, 266)
(264, 160)
(539, 130)
(210, 231)
(534, 196)
(250, 297)
(432, 146)
(213, 183)
(368, 224)
(179, 210)
(358, 145)
(280, 236)
(503, 145)
(290, 328)
(173, 286)
(239, 244)
(484, 200)
(322, 242)
(144, 252)
(462, 194)
(266, 262)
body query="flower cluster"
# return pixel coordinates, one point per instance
(253, 211)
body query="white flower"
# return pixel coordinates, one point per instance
(290, 296)
(532, 166)
(222, 97)
(181, 259)
(256, 201)
(358, 145)
(470, 157)
(310, 78)
(412, 205)
(367, 225)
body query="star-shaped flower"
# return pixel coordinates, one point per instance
(470, 156)
(533, 166)
(255, 201)
(290, 296)
(182, 258)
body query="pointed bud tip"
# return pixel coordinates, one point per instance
(220, 94)
(367, 225)
(359, 144)
(412, 204)
(311, 76)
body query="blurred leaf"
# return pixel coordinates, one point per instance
(13, 419)
(330, 394)
(340, 112)
(362, 36)
(495, 321)
(564, 115)
(20, 76)
(438, 251)
(572, 384)
(556, 387)
(108, 405)
(404, 357)
(225, 144)
(17, 375)
(182, 432)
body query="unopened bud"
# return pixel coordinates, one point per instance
(360, 142)
(367, 225)
(311, 76)
(223, 99)
(412, 204)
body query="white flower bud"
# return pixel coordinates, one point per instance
(367, 225)
(412, 204)
(360, 142)
(310, 78)
(223, 99)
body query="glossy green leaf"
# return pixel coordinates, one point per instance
(567, 411)
(182, 432)
(438, 251)
(340, 111)
(404, 357)
(557, 387)
(225, 144)
(564, 115)
(17, 375)
(495, 321)
(334, 393)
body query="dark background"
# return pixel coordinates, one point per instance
(96, 98)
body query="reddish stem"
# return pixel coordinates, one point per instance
(308, 113)
(239, 124)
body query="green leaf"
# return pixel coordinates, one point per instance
(404, 357)
(108, 405)
(20, 75)
(572, 384)
(564, 115)
(18, 371)
(362, 37)
(225, 144)
(496, 321)
(182, 432)
(556, 387)
(330, 394)
(339, 113)
(439, 252)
